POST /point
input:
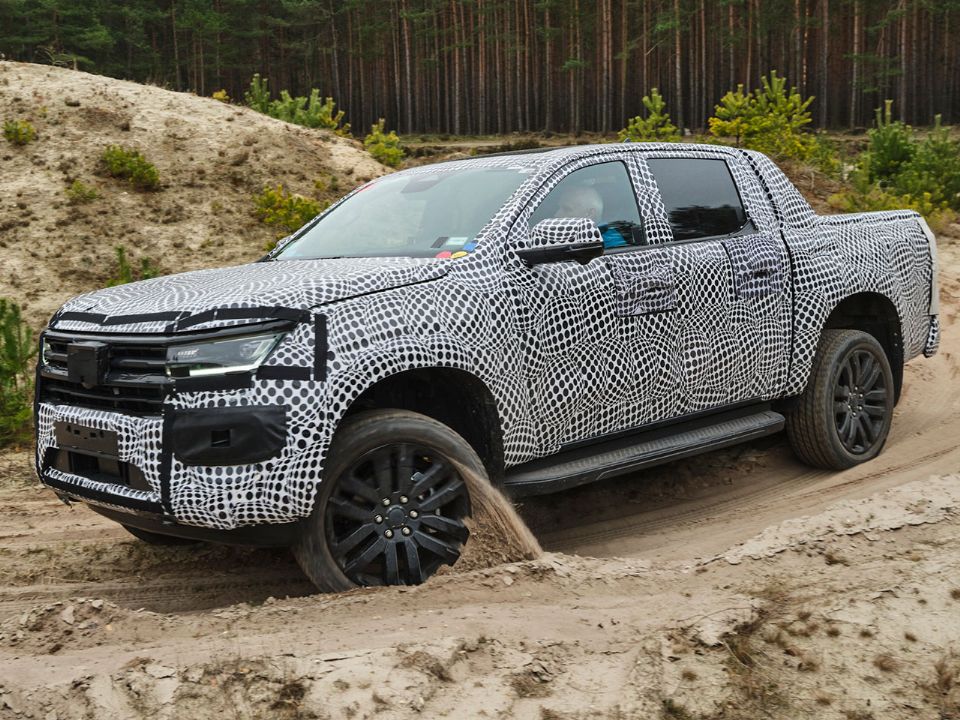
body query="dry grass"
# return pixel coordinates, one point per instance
(833, 558)
(947, 670)
(885, 663)
(528, 685)
(672, 710)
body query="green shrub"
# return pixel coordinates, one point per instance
(309, 111)
(937, 214)
(16, 351)
(19, 132)
(897, 170)
(221, 95)
(934, 168)
(892, 145)
(655, 126)
(769, 119)
(258, 96)
(79, 193)
(287, 211)
(125, 272)
(826, 157)
(130, 165)
(384, 147)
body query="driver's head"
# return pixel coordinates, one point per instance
(580, 202)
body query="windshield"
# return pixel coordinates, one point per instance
(423, 214)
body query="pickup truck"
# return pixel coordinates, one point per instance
(539, 320)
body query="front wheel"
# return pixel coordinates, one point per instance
(844, 415)
(391, 505)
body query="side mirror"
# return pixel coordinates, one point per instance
(563, 240)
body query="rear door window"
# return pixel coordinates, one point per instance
(700, 197)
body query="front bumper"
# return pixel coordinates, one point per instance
(272, 535)
(224, 453)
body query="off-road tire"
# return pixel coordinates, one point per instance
(152, 538)
(319, 548)
(816, 426)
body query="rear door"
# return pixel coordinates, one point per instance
(730, 272)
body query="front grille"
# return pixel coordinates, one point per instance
(135, 382)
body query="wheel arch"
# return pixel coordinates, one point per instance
(876, 314)
(454, 397)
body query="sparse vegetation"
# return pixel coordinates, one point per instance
(285, 210)
(309, 111)
(770, 119)
(128, 164)
(79, 193)
(383, 146)
(655, 126)
(899, 171)
(16, 352)
(672, 710)
(885, 663)
(19, 132)
(125, 272)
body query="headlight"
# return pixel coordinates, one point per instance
(217, 357)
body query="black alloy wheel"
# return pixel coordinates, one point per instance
(396, 516)
(860, 401)
(391, 505)
(843, 416)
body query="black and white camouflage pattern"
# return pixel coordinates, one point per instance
(569, 352)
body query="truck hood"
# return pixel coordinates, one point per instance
(207, 299)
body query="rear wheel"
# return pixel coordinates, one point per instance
(844, 415)
(391, 506)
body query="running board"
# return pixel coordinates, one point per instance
(616, 457)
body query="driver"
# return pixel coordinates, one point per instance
(581, 201)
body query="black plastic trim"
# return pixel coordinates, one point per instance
(321, 349)
(627, 453)
(79, 492)
(238, 435)
(274, 535)
(241, 313)
(279, 372)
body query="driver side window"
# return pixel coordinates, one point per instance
(603, 193)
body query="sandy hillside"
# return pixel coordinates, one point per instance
(737, 585)
(212, 158)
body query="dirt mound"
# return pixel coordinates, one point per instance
(212, 158)
(75, 624)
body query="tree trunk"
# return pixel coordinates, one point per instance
(678, 66)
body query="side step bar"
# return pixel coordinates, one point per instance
(616, 457)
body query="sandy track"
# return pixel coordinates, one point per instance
(712, 598)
